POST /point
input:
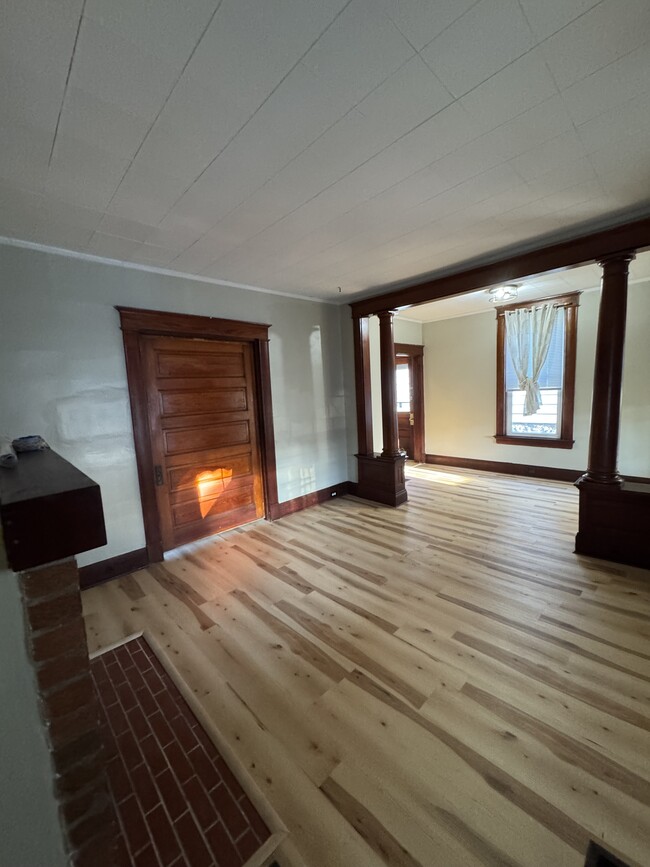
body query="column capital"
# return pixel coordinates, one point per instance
(612, 260)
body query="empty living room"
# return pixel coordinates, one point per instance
(325, 433)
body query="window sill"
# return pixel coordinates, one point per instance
(536, 442)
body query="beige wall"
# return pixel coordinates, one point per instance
(460, 389)
(63, 373)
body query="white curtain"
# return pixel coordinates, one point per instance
(530, 328)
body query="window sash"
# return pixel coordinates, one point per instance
(546, 422)
(569, 304)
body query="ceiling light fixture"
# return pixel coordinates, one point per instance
(499, 294)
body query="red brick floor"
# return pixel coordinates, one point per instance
(177, 801)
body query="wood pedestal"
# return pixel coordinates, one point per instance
(614, 522)
(382, 479)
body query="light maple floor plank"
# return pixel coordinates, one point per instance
(441, 684)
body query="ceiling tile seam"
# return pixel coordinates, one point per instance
(152, 269)
(298, 155)
(564, 26)
(402, 180)
(332, 183)
(259, 107)
(562, 96)
(532, 48)
(419, 53)
(67, 81)
(365, 201)
(300, 60)
(167, 98)
(624, 102)
(443, 192)
(411, 207)
(522, 248)
(451, 24)
(504, 251)
(498, 72)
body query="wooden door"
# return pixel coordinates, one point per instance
(204, 436)
(409, 389)
(404, 375)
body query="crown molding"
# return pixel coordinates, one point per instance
(152, 269)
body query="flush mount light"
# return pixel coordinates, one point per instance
(499, 294)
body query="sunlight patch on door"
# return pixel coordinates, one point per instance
(210, 485)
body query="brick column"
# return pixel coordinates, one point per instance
(56, 644)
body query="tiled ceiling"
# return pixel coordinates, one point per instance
(306, 145)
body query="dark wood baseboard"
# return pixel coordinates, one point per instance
(555, 474)
(104, 570)
(279, 510)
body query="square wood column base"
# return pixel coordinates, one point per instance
(382, 479)
(614, 521)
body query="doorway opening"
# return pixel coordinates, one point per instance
(200, 392)
(409, 388)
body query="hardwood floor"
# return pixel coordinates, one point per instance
(441, 684)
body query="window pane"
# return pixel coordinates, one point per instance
(403, 387)
(546, 422)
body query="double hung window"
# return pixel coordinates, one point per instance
(536, 348)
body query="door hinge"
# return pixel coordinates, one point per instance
(158, 475)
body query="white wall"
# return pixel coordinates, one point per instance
(634, 452)
(460, 389)
(30, 834)
(64, 376)
(404, 331)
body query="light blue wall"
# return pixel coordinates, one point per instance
(64, 376)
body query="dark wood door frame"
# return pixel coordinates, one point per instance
(137, 324)
(415, 353)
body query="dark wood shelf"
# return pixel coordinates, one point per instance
(49, 510)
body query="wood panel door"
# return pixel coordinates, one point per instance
(204, 436)
(404, 392)
(409, 388)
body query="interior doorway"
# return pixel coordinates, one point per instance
(409, 381)
(200, 396)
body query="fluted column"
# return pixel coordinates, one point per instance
(608, 372)
(388, 395)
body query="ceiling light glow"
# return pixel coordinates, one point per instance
(498, 294)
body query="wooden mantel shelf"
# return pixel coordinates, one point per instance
(49, 510)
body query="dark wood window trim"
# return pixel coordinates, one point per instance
(570, 303)
(137, 324)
